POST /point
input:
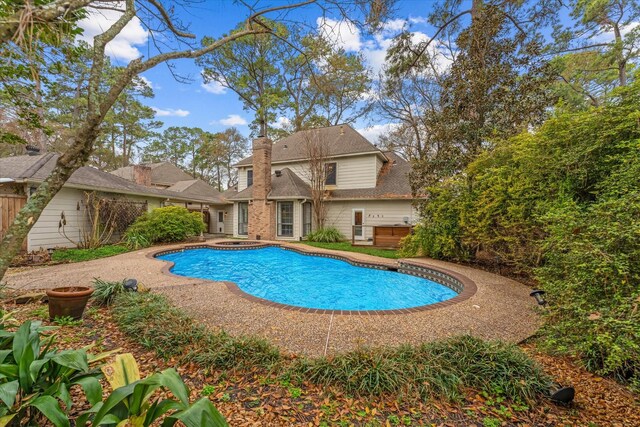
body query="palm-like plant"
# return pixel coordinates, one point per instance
(35, 380)
(132, 401)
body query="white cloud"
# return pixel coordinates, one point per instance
(234, 120)
(609, 36)
(170, 112)
(214, 87)
(340, 33)
(418, 20)
(345, 35)
(123, 46)
(372, 133)
(394, 25)
(282, 122)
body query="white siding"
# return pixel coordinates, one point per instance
(242, 178)
(299, 168)
(229, 220)
(376, 212)
(352, 172)
(356, 172)
(44, 233)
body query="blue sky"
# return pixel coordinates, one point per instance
(213, 108)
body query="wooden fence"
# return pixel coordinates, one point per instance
(10, 205)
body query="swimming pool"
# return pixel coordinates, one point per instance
(291, 278)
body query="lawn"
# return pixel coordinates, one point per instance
(346, 246)
(77, 255)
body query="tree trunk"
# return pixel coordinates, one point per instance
(66, 165)
(622, 63)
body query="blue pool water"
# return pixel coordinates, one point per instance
(309, 281)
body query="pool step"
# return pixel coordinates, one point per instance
(430, 274)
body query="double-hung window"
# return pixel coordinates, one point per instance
(249, 177)
(243, 218)
(306, 218)
(330, 173)
(285, 219)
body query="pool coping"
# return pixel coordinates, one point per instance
(460, 283)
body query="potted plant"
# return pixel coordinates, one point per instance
(68, 301)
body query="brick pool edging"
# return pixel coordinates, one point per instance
(464, 286)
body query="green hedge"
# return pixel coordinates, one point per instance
(561, 204)
(164, 225)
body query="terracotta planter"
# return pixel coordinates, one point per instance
(69, 301)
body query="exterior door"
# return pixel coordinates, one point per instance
(220, 227)
(358, 222)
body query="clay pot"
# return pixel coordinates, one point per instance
(68, 301)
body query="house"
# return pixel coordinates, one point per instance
(365, 189)
(20, 176)
(216, 209)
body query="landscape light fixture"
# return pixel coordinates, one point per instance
(539, 296)
(562, 395)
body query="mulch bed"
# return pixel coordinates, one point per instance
(259, 399)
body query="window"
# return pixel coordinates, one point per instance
(243, 218)
(285, 219)
(330, 170)
(249, 177)
(306, 218)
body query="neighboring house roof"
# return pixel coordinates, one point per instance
(198, 188)
(37, 168)
(162, 173)
(340, 140)
(286, 186)
(392, 183)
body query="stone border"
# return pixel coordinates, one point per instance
(464, 286)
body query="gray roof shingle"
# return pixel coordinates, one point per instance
(340, 140)
(286, 186)
(163, 173)
(37, 169)
(198, 188)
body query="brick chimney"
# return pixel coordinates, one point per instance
(142, 175)
(262, 213)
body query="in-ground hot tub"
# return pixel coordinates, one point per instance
(237, 243)
(321, 282)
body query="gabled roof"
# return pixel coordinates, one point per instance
(198, 188)
(392, 183)
(340, 140)
(163, 173)
(37, 168)
(286, 186)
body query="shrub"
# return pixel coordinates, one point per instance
(326, 235)
(592, 276)
(439, 235)
(105, 292)
(562, 204)
(440, 368)
(135, 240)
(163, 225)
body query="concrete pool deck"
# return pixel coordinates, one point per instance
(500, 307)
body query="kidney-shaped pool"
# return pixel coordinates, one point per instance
(291, 278)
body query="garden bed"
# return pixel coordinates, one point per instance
(252, 395)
